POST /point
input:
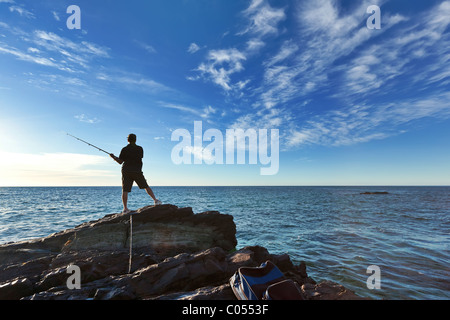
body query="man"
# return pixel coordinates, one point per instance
(131, 158)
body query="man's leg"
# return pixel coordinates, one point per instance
(125, 201)
(142, 183)
(127, 184)
(150, 193)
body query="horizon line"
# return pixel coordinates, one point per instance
(158, 186)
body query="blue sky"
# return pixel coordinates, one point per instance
(353, 106)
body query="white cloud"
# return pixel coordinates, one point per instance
(93, 49)
(150, 49)
(33, 50)
(86, 119)
(134, 81)
(205, 113)
(208, 111)
(56, 16)
(180, 108)
(263, 119)
(54, 42)
(22, 11)
(288, 49)
(263, 19)
(193, 48)
(26, 57)
(52, 50)
(254, 45)
(221, 65)
(72, 55)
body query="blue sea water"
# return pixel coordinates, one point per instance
(337, 231)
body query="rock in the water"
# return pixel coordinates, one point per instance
(375, 192)
(328, 290)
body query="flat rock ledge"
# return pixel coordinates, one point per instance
(176, 255)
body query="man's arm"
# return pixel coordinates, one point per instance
(116, 159)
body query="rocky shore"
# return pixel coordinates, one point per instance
(175, 255)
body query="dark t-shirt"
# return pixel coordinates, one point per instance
(132, 156)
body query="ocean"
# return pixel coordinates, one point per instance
(337, 231)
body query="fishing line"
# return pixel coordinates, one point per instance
(131, 242)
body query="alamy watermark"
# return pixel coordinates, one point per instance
(74, 20)
(373, 281)
(374, 21)
(221, 149)
(74, 281)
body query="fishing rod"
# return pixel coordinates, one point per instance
(88, 144)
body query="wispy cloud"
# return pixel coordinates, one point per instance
(180, 108)
(193, 48)
(221, 65)
(33, 50)
(27, 57)
(364, 123)
(288, 48)
(207, 113)
(21, 11)
(150, 49)
(56, 16)
(263, 19)
(86, 119)
(335, 49)
(423, 43)
(54, 42)
(52, 50)
(326, 36)
(83, 74)
(133, 81)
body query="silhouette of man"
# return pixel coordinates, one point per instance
(131, 160)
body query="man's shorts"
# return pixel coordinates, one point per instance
(129, 177)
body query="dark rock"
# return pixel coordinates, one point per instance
(122, 293)
(176, 254)
(165, 230)
(328, 290)
(16, 289)
(183, 272)
(222, 292)
(30, 269)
